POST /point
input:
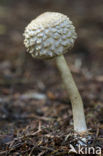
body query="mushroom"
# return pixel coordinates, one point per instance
(51, 35)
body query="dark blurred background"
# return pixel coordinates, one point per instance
(20, 73)
(87, 16)
(86, 56)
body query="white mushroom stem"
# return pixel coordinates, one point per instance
(74, 95)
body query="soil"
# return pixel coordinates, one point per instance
(35, 111)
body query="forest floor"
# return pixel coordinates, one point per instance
(35, 111)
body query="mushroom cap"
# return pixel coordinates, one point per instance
(49, 35)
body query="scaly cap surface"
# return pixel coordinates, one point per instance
(49, 35)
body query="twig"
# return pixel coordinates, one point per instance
(41, 153)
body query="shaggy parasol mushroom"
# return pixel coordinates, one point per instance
(51, 35)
